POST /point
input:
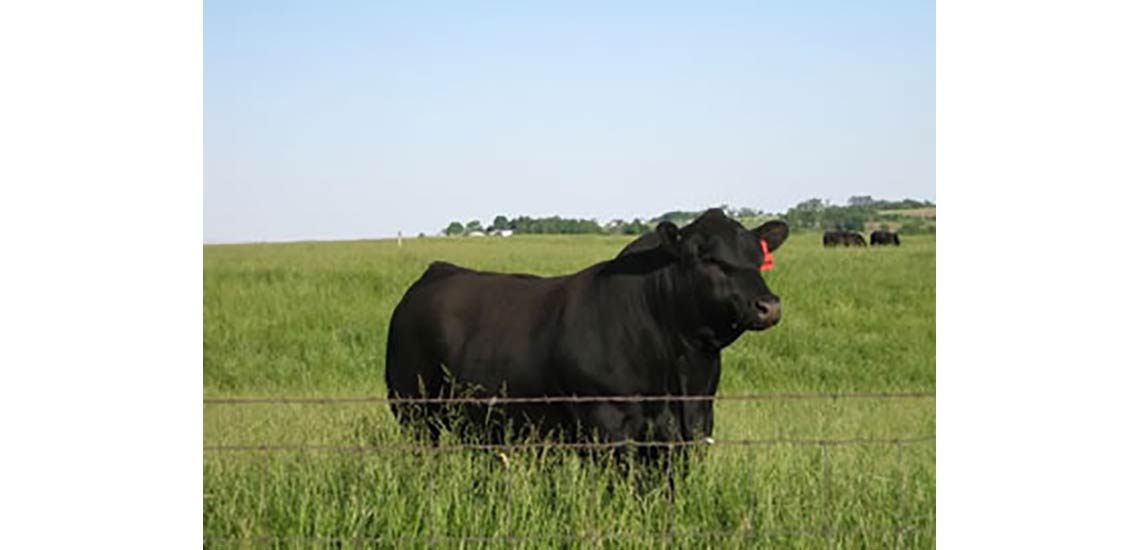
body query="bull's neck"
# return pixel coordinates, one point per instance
(671, 301)
(658, 290)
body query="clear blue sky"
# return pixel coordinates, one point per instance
(329, 120)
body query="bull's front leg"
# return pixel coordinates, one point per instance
(608, 426)
(652, 430)
(700, 376)
(615, 422)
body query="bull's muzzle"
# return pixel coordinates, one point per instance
(767, 312)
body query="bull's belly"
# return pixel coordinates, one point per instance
(647, 422)
(582, 422)
(522, 374)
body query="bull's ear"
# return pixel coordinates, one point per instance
(773, 232)
(670, 238)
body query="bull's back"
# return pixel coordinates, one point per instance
(459, 325)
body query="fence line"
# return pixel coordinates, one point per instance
(320, 447)
(561, 399)
(828, 533)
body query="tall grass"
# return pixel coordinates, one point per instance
(311, 319)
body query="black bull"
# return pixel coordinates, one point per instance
(883, 237)
(650, 322)
(843, 238)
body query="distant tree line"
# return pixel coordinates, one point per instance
(527, 224)
(551, 225)
(812, 214)
(818, 214)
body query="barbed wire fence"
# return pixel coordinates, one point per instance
(492, 400)
(826, 532)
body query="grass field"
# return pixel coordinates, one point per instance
(310, 319)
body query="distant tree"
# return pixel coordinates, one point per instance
(473, 225)
(500, 223)
(675, 216)
(811, 205)
(848, 218)
(861, 201)
(636, 227)
(807, 214)
(454, 228)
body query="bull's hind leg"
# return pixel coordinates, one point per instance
(661, 467)
(425, 419)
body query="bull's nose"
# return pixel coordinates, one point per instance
(768, 311)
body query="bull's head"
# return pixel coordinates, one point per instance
(720, 262)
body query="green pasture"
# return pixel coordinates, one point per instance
(310, 320)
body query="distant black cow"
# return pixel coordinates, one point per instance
(843, 238)
(650, 322)
(883, 237)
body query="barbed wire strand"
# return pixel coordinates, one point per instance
(320, 447)
(559, 399)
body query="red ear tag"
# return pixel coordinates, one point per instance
(769, 261)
